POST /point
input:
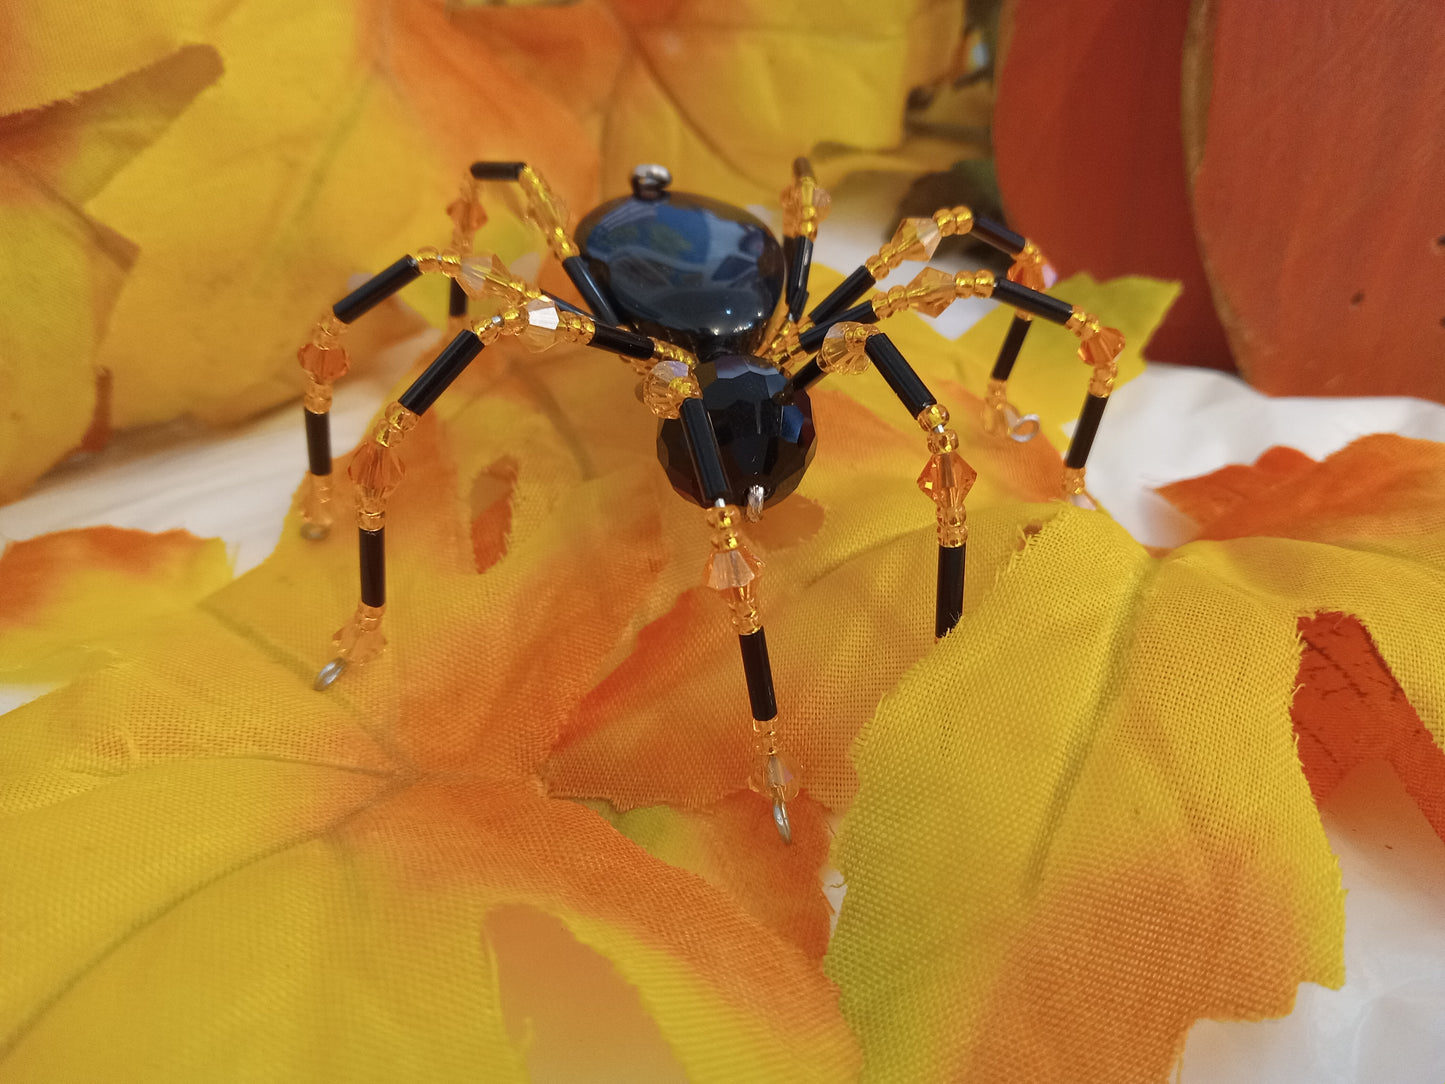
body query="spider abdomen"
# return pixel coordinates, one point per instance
(764, 431)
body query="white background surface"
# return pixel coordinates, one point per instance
(1386, 1026)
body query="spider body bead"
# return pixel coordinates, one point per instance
(708, 277)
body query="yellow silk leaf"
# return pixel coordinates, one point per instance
(345, 130)
(70, 597)
(47, 57)
(338, 886)
(63, 266)
(727, 96)
(1099, 766)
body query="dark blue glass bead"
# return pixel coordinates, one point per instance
(765, 436)
(687, 269)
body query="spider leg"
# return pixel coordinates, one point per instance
(918, 239)
(325, 360)
(931, 291)
(947, 477)
(549, 214)
(805, 205)
(733, 570)
(376, 469)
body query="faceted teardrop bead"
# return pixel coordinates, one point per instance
(775, 777)
(482, 274)
(731, 569)
(377, 470)
(1102, 348)
(543, 320)
(947, 479)
(325, 364)
(931, 291)
(917, 238)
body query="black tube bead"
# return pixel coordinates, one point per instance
(318, 442)
(620, 341)
(439, 375)
(592, 294)
(997, 235)
(1008, 292)
(844, 294)
(759, 672)
(373, 566)
(798, 251)
(497, 171)
(457, 300)
(863, 313)
(376, 289)
(1013, 342)
(807, 375)
(906, 384)
(1088, 428)
(702, 448)
(950, 589)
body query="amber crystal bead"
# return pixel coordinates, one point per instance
(376, 471)
(325, 364)
(667, 384)
(1028, 269)
(360, 639)
(931, 291)
(731, 569)
(482, 273)
(947, 478)
(916, 239)
(842, 349)
(1102, 347)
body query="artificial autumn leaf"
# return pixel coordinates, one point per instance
(1319, 217)
(1381, 492)
(67, 597)
(1090, 155)
(717, 93)
(1130, 841)
(321, 885)
(63, 266)
(346, 124)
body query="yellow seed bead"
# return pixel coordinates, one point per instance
(935, 414)
(946, 441)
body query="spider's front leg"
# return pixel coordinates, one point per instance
(848, 347)
(376, 470)
(325, 360)
(732, 570)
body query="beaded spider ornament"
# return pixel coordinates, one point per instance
(708, 307)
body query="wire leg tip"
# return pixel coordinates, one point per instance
(327, 675)
(780, 818)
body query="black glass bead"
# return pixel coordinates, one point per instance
(764, 431)
(687, 269)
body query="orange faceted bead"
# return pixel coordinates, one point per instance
(377, 471)
(326, 364)
(917, 238)
(947, 479)
(1102, 347)
(931, 291)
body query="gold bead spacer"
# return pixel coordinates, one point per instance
(1073, 482)
(942, 442)
(932, 416)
